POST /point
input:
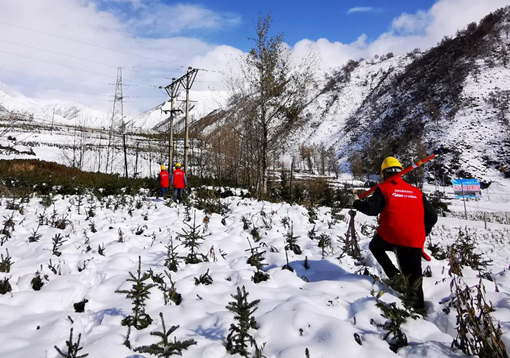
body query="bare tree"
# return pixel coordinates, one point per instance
(270, 96)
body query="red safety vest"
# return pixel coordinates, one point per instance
(178, 179)
(402, 220)
(164, 179)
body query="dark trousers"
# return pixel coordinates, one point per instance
(409, 259)
(163, 191)
(178, 195)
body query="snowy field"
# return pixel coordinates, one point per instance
(320, 308)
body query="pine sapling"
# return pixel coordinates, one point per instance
(166, 348)
(464, 250)
(246, 223)
(72, 348)
(192, 241)
(5, 262)
(324, 243)
(35, 236)
(239, 333)
(92, 226)
(291, 241)
(58, 240)
(171, 261)
(8, 227)
(37, 283)
(255, 234)
(312, 234)
(256, 259)
(204, 279)
(91, 211)
(139, 293)
(395, 316)
(5, 286)
(285, 221)
(121, 236)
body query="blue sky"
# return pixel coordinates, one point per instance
(341, 20)
(313, 19)
(71, 49)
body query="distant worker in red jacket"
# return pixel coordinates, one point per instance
(164, 180)
(406, 217)
(179, 182)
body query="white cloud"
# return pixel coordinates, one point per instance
(158, 58)
(422, 29)
(362, 9)
(60, 71)
(411, 24)
(156, 18)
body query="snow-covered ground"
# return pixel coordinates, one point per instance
(319, 308)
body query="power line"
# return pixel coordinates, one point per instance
(71, 67)
(91, 44)
(48, 76)
(79, 58)
(100, 46)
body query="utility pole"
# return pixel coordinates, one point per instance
(171, 89)
(186, 81)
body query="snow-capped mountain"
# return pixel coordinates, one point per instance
(453, 96)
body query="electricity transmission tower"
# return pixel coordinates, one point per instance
(117, 125)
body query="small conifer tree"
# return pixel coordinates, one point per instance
(246, 223)
(35, 236)
(72, 348)
(256, 259)
(139, 293)
(37, 282)
(239, 334)
(204, 279)
(5, 262)
(395, 316)
(171, 261)
(192, 239)
(58, 240)
(5, 286)
(166, 348)
(291, 241)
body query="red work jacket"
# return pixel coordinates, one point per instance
(164, 179)
(401, 221)
(179, 179)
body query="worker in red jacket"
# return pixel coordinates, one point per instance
(164, 180)
(406, 217)
(179, 182)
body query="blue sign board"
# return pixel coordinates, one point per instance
(467, 188)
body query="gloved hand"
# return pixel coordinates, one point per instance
(352, 199)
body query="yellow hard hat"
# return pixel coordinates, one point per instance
(390, 162)
(163, 167)
(178, 165)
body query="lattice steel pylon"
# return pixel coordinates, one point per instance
(117, 126)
